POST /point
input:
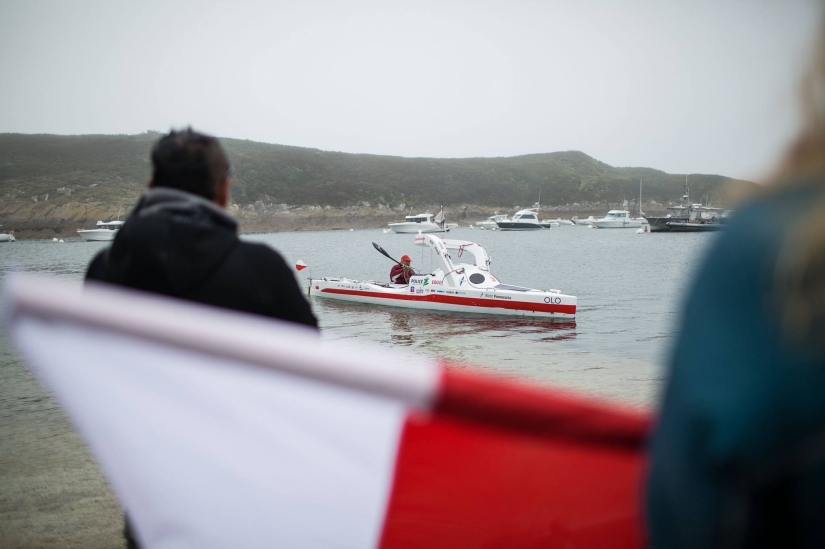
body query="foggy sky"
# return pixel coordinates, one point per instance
(686, 87)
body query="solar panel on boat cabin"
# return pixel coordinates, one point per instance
(512, 288)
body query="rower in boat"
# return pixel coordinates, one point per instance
(402, 272)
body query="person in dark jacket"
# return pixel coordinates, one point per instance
(179, 241)
(738, 455)
(401, 272)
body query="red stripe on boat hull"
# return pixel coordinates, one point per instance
(465, 301)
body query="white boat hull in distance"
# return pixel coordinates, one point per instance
(6, 238)
(614, 224)
(414, 228)
(102, 235)
(618, 219)
(466, 287)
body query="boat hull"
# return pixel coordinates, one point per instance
(517, 226)
(415, 228)
(616, 224)
(686, 227)
(102, 235)
(660, 224)
(535, 303)
(6, 238)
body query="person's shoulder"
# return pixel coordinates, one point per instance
(261, 254)
(98, 266)
(759, 226)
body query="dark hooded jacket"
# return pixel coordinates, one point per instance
(178, 244)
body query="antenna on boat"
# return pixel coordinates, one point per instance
(641, 213)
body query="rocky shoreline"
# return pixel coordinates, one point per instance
(45, 220)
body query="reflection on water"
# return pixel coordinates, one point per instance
(409, 326)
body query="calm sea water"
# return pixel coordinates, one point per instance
(629, 287)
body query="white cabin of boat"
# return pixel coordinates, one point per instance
(420, 218)
(105, 231)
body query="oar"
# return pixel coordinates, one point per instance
(388, 256)
(384, 253)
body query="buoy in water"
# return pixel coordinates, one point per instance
(54, 240)
(61, 240)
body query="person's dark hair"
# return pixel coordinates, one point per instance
(189, 161)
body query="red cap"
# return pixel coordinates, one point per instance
(405, 258)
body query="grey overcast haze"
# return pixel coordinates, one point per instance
(686, 87)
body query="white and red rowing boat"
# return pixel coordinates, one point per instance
(466, 287)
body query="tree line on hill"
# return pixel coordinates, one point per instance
(114, 169)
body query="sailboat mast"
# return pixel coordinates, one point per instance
(640, 197)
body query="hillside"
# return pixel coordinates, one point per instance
(106, 171)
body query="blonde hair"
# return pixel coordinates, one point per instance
(800, 269)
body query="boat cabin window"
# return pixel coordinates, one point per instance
(417, 219)
(527, 216)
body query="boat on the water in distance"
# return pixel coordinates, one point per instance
(7, 237)
(491, 222)
(578, 221)
(466, 286)
(522, 220)
(618, 219)
(103, 232)
(421, 223)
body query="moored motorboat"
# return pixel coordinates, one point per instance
(413, 224)
(491, 221)
(466, 287)
(421, 223)
(7, 237)
(618, 219)
(103, 232)
(522, 220)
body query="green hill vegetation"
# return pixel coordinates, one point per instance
(113, 169)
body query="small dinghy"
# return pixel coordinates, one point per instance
(465, 286)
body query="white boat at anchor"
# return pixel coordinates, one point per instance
(586, 222)
(421, 223)
(466, 287)
(104, 231)
(491, 222)
(522, 220)
(618, 219)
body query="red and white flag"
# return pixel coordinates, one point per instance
(219, 429)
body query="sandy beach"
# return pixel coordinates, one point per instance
(52, 493)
